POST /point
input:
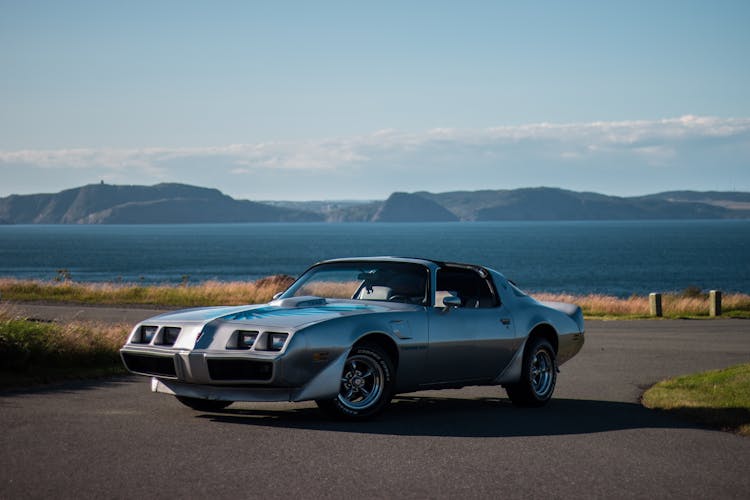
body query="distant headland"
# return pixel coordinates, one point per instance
(185, 204)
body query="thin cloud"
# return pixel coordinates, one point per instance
(657, 141)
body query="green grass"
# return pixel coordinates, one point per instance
(718, 398)
(33, 352)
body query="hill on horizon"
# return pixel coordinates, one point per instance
(158, 204)
(540, 203)
(172, 203)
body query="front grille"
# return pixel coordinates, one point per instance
(151, 365)
(239, 369)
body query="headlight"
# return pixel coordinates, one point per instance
(245, 340)
(169, 335)
(276, 341)
(145, 334)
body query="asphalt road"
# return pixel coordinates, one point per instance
(113, 438)
(53, 312)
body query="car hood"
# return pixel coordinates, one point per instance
(291, 313)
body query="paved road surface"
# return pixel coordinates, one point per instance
(50, 312)
(114, 439)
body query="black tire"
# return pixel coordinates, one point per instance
(203, 404)
(538, 376)
(366, 384)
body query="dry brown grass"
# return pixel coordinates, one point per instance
(674, 305)
(204, 294)
(736, 302)
(601, 305)
(687, 304)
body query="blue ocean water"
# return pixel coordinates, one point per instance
(614, 257)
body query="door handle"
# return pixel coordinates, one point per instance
(505, 321)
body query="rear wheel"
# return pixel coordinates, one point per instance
(538, 376)
(203, 404)
(366, 384)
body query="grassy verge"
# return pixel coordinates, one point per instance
(718, 398)
(33, 353)
(689, 304)
(203, 294)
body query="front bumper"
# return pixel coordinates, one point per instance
(232, 377)
(202, 367)
(223, 393)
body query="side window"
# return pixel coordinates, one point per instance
(474, 291)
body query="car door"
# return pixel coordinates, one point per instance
(474, 341)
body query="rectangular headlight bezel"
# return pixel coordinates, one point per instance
(275, 341)
(145, 334)
(169, 335)
(243, 339)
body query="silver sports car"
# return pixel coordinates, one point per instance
(351, 333)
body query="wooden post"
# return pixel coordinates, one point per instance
(654, 300)
(714, 303)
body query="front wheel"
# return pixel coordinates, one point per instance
(538, 376)
(366, 384)
(203, 404)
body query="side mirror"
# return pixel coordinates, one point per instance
(452, 301)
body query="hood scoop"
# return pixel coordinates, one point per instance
(306, 301)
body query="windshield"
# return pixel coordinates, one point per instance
(388, 281)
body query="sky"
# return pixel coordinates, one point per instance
(284, 100)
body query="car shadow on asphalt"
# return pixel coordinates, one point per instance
(454, 417)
